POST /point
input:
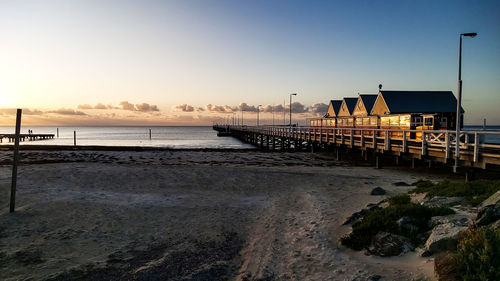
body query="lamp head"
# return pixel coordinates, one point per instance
(294, 94)
(471, 34)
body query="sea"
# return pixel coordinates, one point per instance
(167, 137)
(175, 137)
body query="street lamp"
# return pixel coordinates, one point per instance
(258, 111)
(459, 100)
(294, 94)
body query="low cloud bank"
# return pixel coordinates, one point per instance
(297, 107)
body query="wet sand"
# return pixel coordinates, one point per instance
(191, 215)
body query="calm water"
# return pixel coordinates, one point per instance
(172, 137)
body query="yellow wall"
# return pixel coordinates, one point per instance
(380, 107)
(360, 109)
(331, 112)
(344, 111)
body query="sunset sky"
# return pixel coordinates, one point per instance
(184, 62)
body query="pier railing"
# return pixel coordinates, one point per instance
(478, 148)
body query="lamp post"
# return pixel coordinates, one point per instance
(258, 111)
(459, 100)
(294, 94)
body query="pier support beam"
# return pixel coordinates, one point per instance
(378, 161)
(470, 175)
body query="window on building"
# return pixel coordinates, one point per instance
(429, 121)
(417, 121)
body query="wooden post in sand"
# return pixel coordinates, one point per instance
(57, 132)
(74, 138)
(14, 163)
(149, 133)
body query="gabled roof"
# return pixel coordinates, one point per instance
(347, 107)
(364, 105)
(368, 101)
(398, 102)
(333, 108)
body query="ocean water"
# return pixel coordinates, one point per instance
(170, 137)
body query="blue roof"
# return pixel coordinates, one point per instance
(420, 101)
(350, 103)
(368, 101)
(336, 105)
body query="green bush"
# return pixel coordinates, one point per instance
(478, 255)
(474, 192)
(399, 199)
(386, 220)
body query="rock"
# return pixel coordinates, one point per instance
(405, 225)
(488, 214)
(357, 215)
(444, 269)
(378, 191)
(444, 237)
(492, 200)
(441, 201)
(386, 244)
(456, 219)
(401, 183)
(426, 254)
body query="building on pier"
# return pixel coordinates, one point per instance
(362, 110)
(345, 118)
(415, 110)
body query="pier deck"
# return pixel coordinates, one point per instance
(25, 137)
(475, 150)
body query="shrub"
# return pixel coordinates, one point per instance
(386, 220)
(478, 254)
(474, 192)
(399, 199)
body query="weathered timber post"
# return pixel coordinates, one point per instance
(15, 161)
(469, 175)
(397, 160)
(413, 162)
(378, 161)
(149, 134)
(74, 138)
(337, 154)
(57, 131)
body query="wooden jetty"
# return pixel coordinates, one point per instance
(438, 145)
(26, 137)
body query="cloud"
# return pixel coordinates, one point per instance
(26, 111)
(142, 107)
(219, 108)
(127, 105)
(245, 107)
(319, 108)
(298, 107)
(85, 106)
(184, 108)
(146, 107)
(100, 106)
(67, 111)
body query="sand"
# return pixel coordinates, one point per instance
(191, 215)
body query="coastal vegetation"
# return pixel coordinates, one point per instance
(478, 254)
(474, 192)
(389, 220)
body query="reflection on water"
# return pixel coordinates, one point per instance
(174, 137)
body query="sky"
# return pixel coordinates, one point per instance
(193, 62)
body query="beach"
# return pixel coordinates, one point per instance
(192, 215)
